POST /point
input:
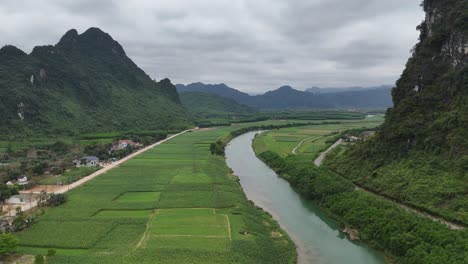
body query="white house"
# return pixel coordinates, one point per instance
(125, 143)
(23, 180)
(86, 161)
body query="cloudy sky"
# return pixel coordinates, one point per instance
(253, 46)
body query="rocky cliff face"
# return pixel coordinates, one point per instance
(420, 154)
(431, 96)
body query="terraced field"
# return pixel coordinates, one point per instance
(176, 203)
(307, 139)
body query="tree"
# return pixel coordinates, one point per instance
(51, 252)
(5, 192)
(39, 259)
(8, 243)
(56, 199)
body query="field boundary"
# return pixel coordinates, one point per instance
(147, 228)
(229, 227)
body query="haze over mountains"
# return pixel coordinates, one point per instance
(287, 97)
(84, 83)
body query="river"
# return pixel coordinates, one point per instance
(316, 236)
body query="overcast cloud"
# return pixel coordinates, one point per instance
(252, 45)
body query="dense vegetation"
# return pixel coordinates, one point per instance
(176, 203)
(289, 98)
(420, 154)
(290, 115)
(408, 237)
(208, 105)
(85, 83)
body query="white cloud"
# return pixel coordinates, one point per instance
(251, 45)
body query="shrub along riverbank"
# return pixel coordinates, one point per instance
(408, 237)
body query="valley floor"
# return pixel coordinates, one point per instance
(175, 203)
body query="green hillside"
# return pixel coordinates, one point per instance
(210, 105)
(85, 83)
(420, 154)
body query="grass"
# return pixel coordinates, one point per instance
(283, 141)
(136, 197)
(70, 176)
(171, 204)
(123, 214)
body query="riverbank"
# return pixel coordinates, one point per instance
(408, 237)
(317, 237)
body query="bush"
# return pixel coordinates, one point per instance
(39, 259)
(51, 252)
(8, 243)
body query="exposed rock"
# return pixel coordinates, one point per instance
(454, 49)
(353, 233)
(21, 110)
(42, 73)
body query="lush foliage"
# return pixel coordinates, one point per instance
(407, 236)
(8, 243)
(85, 83)
(420, 154)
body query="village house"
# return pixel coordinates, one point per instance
(86, 161)
(22, 180)
(124, 143)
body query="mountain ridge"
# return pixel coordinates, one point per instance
(287, 97)
(84, 83)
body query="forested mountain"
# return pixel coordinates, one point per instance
(218, 89)
(420, 154)
(211, 105)
(84, 83)
(288, 98)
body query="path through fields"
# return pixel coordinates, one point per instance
(318, 161)
(294, 151)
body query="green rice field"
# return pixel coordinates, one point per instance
(175, 203)
(314, 137)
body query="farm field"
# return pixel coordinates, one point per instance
(314, 137)
(175, 203)
(68, 177)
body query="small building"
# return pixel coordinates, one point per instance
(86, 161)
(23, 180)
(352, 139)
(12, 182)
(124, 143)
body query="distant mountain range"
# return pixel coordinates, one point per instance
(314, 98)
(318, 90)
(84, 83)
